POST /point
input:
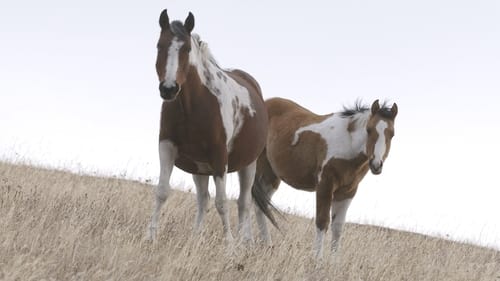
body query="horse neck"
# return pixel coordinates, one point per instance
(359, 137)
(217, 80)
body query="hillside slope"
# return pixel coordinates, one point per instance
(61, 226)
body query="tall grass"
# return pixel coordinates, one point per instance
(61, 226)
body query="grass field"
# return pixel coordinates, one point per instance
(61, 226)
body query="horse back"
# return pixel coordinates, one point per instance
(297, 164)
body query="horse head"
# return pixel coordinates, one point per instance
(172, 61)
(380, 130)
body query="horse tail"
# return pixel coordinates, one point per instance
(263, 201)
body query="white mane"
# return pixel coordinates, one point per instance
(201, 51)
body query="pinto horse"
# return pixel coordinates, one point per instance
(213, 121)
(329, 154)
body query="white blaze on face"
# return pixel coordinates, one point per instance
(380, 145)
(172, 62)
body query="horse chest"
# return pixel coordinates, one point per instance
(234, 107)
(201, 136)
(344, 172)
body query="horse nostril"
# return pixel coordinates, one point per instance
(162, 88)
(176, 89)
(168, 92)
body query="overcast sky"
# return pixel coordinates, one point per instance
(78, 88)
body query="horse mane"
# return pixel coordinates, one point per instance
(179, 30)
(204, 50)
(359, 107)
(386, 112)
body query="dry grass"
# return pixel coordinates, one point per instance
(60, 226)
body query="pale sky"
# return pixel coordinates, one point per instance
(78, 88)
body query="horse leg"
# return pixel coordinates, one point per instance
(339, 211)
(265, 184)
(324, 195)
(202, 196)
(221, 204)
(267, 190)
(246, 176)
(168, 153)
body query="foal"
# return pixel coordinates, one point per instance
(213, 121)
(328, 154)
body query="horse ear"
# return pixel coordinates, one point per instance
(394, 110)
(189, 23)
(375, 107)
(164, 21)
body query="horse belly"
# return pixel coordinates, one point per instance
(196, 153)
(295, 165)
(194, 167)
(250, 141)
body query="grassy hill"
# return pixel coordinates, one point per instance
(61, 226)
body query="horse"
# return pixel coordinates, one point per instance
(329, 154)
(213, 122)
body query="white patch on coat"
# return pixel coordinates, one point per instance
(234, 99)
(172, 63)
(340, 143)
(380, 145)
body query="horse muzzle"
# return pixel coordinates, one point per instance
(376, 166)
(169, 93)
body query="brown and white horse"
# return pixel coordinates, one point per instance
(213, 121)
(329, 154)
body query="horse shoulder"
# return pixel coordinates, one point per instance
(346, 174)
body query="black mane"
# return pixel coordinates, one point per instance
(357, 108)
(385, 109)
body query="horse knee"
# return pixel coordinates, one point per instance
(322, 222)
(203, 200)
(243, 203)
(322, 215)
(241, 208)
(220, 205)
(337, 228)
(162, 193)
